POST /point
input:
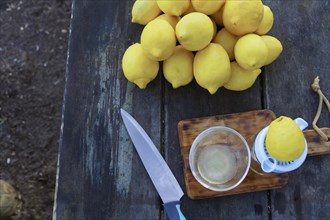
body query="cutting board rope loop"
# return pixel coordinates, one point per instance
(316, 88)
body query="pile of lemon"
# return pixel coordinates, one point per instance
(184, 35)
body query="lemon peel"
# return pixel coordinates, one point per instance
(172, 20)
(227, 40)
(251, 51)
(207, 6)
(274, 46)
(189, 10)
(215, 28)
(241, 79)
(242, 16)
(212, 67)
(144, 11)
(173, 7)
(158, 39)
(217, 16)
(194, 31)
(137, 67)
(266, 22)
(178, 68)
(284, 140)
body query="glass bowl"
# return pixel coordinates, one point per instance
(219, 158)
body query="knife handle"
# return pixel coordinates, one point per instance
(173, 211)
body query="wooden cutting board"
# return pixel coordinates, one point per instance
(248, 124)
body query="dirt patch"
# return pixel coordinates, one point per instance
(33, 48)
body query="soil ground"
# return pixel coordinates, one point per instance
(33, 49)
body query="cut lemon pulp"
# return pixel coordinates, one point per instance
(217, 164)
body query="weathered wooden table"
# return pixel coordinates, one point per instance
(100, 174)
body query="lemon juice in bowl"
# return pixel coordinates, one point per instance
(217, 164)
(219, 158)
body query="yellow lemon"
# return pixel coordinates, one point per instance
(158, 40)
(266, 22)
(274, 48)
(284, 140)
(137, 67)
(194, 31)
(207, 6)
(227, 40)
(215, 28)
(217, 16)
(189, 10)
(144, 11)
(241, 79)
(178, 68)
(172, 20)
(173, 7)
(251, 51)
(212, 67)
(242, 16)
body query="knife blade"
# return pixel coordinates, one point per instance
(162, 177)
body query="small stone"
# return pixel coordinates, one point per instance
(7, 200)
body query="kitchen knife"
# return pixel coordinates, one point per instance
(162, 177)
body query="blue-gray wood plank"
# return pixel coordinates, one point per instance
(304, 30)
(100, 175)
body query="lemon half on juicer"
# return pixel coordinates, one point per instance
(284, 140)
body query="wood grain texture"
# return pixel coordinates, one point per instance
(100, 174)
(304, 30)
(248, 124)
(316, 145)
